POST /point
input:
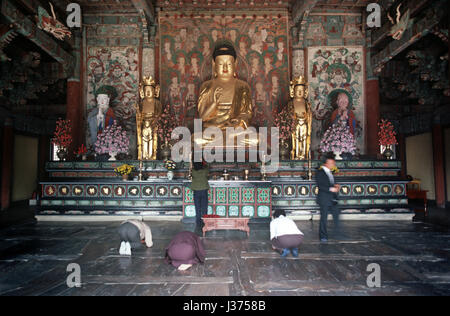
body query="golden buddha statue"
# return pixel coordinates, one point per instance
(302, 113)
(225, 101)
(146, 119)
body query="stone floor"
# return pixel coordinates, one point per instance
(413, 257)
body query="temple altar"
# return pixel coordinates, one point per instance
(92, 188)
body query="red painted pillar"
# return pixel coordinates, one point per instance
(438, 161)
(373, 116)
(7, 163)
(75, 104)
(73, 112)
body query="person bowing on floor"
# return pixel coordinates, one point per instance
(133, 233)
(284, 234)
(185, 249)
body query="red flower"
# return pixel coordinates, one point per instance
(62, 136)
(387, 134)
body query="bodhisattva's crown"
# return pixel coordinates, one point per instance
(148, 81)
(300, 81)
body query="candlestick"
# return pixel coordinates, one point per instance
(309, 166)
(140, 170)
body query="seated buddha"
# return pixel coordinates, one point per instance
(225, 101)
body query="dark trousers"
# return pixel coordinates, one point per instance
(130, 233)
(326, 209)
(287, 241)
(201, 205)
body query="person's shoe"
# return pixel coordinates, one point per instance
(122, 248)
(324, 240)
(128, 249)
(285, 252)
(294, 252)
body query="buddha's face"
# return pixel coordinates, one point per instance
(299, 92)
(224, 66)
(146, 123)
(149, 92)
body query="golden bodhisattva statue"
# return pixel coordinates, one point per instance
(147, 114)
(302, 113)
(225, 101)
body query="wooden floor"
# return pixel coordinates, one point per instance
(414, 260)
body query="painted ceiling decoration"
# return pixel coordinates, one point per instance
(51, 25)
(401, 24)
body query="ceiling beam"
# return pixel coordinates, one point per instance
(380, 34)
(419, 29)
(147, 7)
(24, 26)
(300, 13)
(301, 10)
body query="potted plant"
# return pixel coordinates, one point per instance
(338, 139)
(124, 171)
(170, 166)
(387, 139)
(286, 125)
(62, 137)
(112, 141)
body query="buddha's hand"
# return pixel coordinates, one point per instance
(217, 95)
(239, 122)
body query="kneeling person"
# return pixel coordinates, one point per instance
(185, 249)
(284, 234)
(132, 234)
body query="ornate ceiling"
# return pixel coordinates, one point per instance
(129, 6)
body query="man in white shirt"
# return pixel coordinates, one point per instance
(327, 197)
(284, 234)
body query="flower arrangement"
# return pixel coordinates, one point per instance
(82, 150)
(166, 124)
(124, 170)
(285, 121)
(62, 136)
(386, 134)
(338, 139)
(170, 165)
(112, 139)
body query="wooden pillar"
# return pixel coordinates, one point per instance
(438, 162)
(373, 116)
(74, 109)
(73, 112)
(7, 163)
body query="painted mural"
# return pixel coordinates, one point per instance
(334, 30)
(186, 46)
(333, 71)
(117, 67)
